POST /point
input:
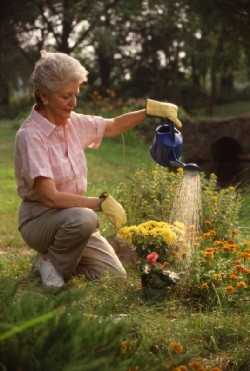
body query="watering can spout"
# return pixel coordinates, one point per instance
(191, 167)
(188, 167)
(167, 147)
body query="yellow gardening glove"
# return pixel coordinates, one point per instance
(163, 110)
(113, 210)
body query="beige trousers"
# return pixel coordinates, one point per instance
(71, 239)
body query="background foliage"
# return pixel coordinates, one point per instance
(164, 49)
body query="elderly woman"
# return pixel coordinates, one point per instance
(55, 217)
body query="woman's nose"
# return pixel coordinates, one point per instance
(73, 101)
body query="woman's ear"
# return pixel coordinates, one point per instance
(44, 97)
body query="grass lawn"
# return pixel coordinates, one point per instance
(226, 110)
(78, 328)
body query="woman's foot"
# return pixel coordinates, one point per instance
(49, 274)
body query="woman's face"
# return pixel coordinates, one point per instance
(61, 103)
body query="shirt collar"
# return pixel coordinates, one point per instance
(45, 125)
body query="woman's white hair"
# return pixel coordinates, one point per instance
(53, 70)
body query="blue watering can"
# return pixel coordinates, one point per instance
(167, 147)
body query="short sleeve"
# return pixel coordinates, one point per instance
(32, 157)
(90, 129)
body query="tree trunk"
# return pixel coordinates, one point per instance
(105, 67)
(213, 93)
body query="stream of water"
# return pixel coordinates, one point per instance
(187, 210)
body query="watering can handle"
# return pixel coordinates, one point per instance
(172, 132)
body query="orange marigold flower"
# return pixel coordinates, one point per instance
(213, 233)
(196, 366)
(246, 243)
(234, 233)
(215, 369)
(230, 242)
(204, 286)
(215, 249)
(206, 235)
(245, 270)
(124, 346)
(177, 347)
(198, 238)
(244, 255)
(227, 249)
(209, 249)
(230, 289)
(208, 254)
(241, 285)
(234, 246)
(208, 223)
(166, 264)
(217, 276)
(233, 277)
(176, 255)
(219, 243)
(238, 267)
(180, 368)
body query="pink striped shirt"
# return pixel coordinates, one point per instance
(56, 152)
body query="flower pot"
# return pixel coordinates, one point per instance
(152, 293)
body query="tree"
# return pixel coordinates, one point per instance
(156, 48)
(223, 38)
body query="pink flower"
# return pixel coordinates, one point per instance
(151, 258)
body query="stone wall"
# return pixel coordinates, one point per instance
(221, 146)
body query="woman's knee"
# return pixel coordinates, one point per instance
(83, 221)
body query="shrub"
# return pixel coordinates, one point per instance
(149, 195)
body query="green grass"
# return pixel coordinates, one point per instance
(74, 329)
(226, 110)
